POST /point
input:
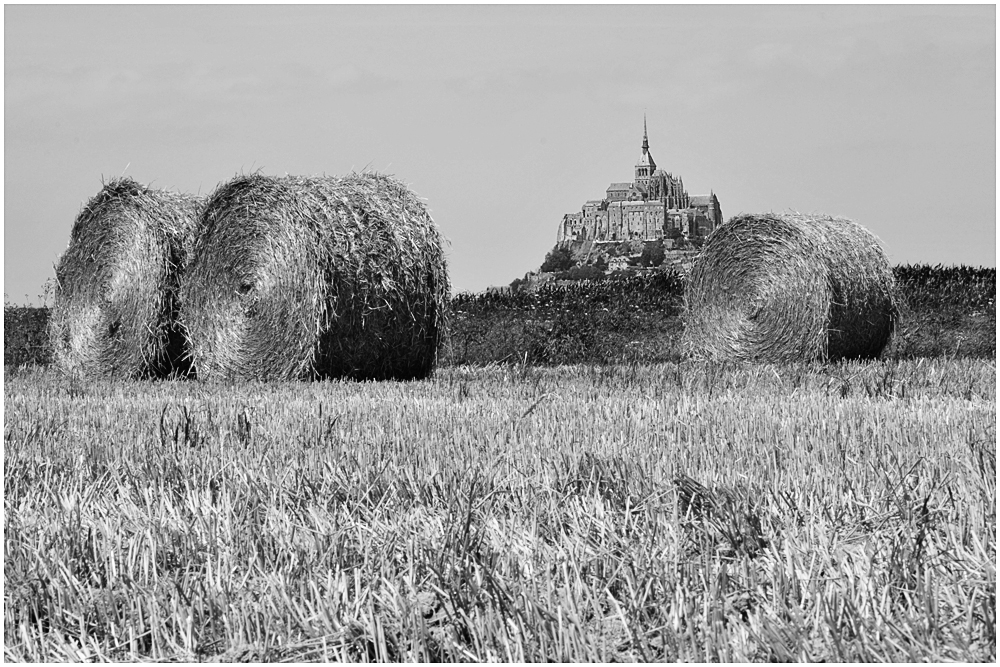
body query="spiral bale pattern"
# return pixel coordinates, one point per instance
(790, 287)
(114, 310)
(315, 277)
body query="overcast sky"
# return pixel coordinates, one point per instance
(506, 117)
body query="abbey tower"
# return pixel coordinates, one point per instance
(653, 206)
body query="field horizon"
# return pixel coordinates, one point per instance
(947, 312)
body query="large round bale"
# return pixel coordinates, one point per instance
(114, 310)
(785, 287)
(315, 277)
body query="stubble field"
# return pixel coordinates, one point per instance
(668, 511)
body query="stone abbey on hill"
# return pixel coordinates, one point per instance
(654, 206)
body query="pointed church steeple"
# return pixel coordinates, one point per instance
(645, 167)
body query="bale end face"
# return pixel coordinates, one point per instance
(788, 287)
(322, 277)
(114, 312)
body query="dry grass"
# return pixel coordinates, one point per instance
(790, 287)
(305, 277)
(114, 312)
(677, 512)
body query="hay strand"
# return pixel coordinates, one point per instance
(315, 277)
(114, 310)
(790, 287)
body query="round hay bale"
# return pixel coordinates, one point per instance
(315, 277)
(114, 311)
(786, 287)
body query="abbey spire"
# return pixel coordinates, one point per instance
(645, 167)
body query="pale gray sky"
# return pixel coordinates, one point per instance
(506, 117)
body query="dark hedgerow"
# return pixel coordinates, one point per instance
(25, 341)
(616, 320)
(646, 292)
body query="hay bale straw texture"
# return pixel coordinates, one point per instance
(786, 287)
(114, 310)
(315, 277)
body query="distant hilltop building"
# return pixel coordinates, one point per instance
(654, 206)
